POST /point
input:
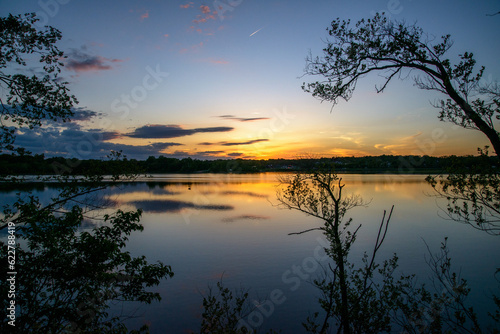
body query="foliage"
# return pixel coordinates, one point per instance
(66, 277)
(443, 309)
(396, 49)
(360, 296)
(222, 310)
(373, 298)
(473, 194)
(369, 297)
(30, 99)
(351, 296)
(38, 164)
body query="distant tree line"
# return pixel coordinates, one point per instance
(39, 165)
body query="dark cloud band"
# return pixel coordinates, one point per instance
(243, 119)
(171, 131)
(225, 143)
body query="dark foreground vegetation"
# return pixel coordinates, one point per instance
(39, 165)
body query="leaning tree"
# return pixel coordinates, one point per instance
(393, 49)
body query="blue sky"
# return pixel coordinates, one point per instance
(219, 79)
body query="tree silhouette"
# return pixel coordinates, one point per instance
(393, 49)
(62, 278)
(366, 296)
(41, 96)
(350, 295)
(66, 278)
(472, 192)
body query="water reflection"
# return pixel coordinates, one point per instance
(173, 206)
(244, 193)
(244, 217)
(227, 224)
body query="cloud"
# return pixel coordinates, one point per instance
(82, 114)
(162, 146)
(80, 61)
(189, 4)
(210, 152)
(225, 143)
(82, 144)
(205, 155)
(75, 139)
(172, 131)
(93, 63)
(70, 140)
(218, 61)
(250, 142)
(205, 9)
(145, 15)
(243, 119)
(404, 144)
(179, 154)
(206, 14)
(200, 19)
(193, 48)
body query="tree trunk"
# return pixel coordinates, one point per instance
(490, 132)
(345, 319)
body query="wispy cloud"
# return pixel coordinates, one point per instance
(82, 114)
(225, 143)
(145, 15)
(249, 142)
(80, 61)
(243, 119)
(205, 9)
(193, 48)
(189, 4)
(404, 145)
(218, 61)
(205, 16)
(172, 131)
(205, 154)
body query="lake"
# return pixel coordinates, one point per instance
(229, 226)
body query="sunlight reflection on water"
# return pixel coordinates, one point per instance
(211, 225)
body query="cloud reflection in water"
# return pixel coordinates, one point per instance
(166, 205)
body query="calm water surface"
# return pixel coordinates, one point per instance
(208, 226)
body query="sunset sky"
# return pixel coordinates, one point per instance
(222, 79)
